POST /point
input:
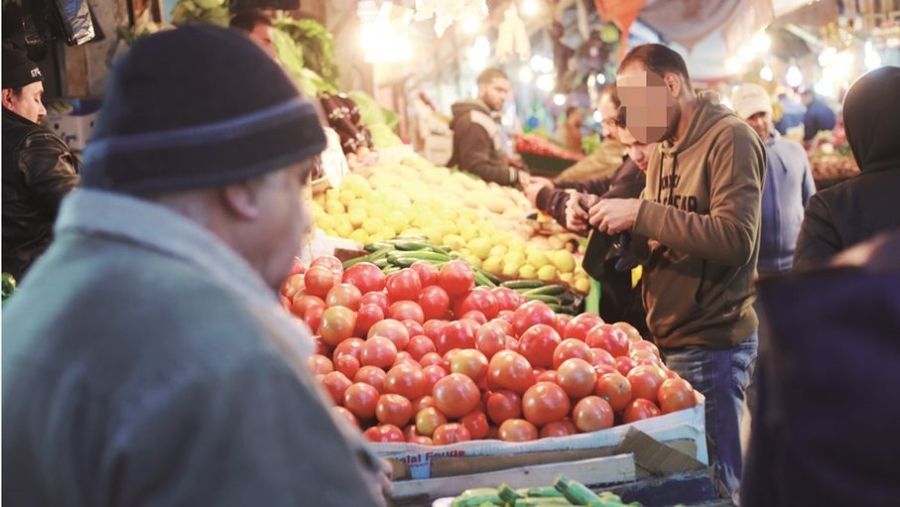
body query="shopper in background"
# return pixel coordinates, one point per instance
(608, 157)
(855, 210)
(792, 112)
(162, 369)
(477, 143)
(700, 215)
(38, 168)
(818, 117)
(572, 127)
(789, 182)
(258, 27)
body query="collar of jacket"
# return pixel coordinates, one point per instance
(138, 222)
(11, 115)
(709, 110)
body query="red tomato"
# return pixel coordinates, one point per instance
(367, 316)
(371, 375)
(414, 328)
(517, 430)
(361, 399)
(633, 334)
(346, 415)
(297, 266)
(331, 262)
(645, 357)
(471, 363)
(318, 363)
(592, 414)
(532, 313)
(504, 325)
(474, 316)
(393, 409)
(432, 328)
(455, 335)
(337, 324)
(615, 389)
(456, 277)
(406, 380)
(435, 302)
(403, 357)
(490, 339)
(366, 276)
(502, 405)
(577, 377)
(600, 357)
(379, 299)
(406, 310)
(347, 364)
(428, 273)
(378, 351)
(428, 419)
(344, 294)
(404, 285)
(608, 338)
(351, 346)
(423, 403)
(510, 370)
(432, 373)
(569, 348)
(313, 317)
(319, 280)
(336, 383)
(561, 428)
(451, 433)
(675, 395)
(481, 300)
(537, 345)
(545, 376)
(643, 345)
(420, 440)
(477, 424)
(432, 358)
(384, 433)
(512, 344)
(544, 403)
(393, 330)
(293, 285)
(456, 395)
(579, 326)
(645, 381)
(506, 315)
(419, 346)
(562, 320)
(507, 299)
(639, 409)
(624, 364)
(303, 302)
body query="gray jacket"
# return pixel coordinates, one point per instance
(145, 363)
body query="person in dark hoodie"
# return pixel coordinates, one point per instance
(477, 144)
(38, 168)
(851, 212)
(697, 231)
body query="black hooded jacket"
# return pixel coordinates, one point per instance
(849, 213)
(38, 171)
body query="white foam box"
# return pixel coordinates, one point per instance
(678, 426)
(74, 126)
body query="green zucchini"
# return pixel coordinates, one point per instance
(522, 284)
(548, 290)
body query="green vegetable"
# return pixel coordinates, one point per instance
(8, 285)
(317, 45)
(522, 284)
(477, 497)
(576, 492)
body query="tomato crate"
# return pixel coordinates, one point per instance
(685, 428)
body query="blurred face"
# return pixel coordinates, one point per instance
(28, 103)
(637, 151)
(284, 221)
(761, 123)
(264, 37)
(608, 112)
(651, 109)
(495, 93)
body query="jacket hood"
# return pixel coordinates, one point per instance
(872, 118)
(463, 107)
(709, 111)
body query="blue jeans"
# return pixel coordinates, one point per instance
(722, 376)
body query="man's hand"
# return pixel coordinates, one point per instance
(576, 211)
(614, 215)
(516, 161)
(535, 184)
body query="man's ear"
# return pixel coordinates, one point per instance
(7, 99)
(241, 199)
(674, 83)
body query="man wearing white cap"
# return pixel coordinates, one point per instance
(789, 182)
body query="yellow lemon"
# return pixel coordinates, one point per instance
(537, 258)
(343, 227)
(564, 261)
(473, 260)
(567, 277)
(454, 242)
(334, 207)
(510, 270)
(498, 250)
(360, 236)
(493, 265)
(481, 247)
(547, 273)
(513, 257)
(356, 216)
(374, 225)
(582, 285)
(528, 272)
(468, 232)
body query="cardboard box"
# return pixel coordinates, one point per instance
(72, 119)
(683, 425)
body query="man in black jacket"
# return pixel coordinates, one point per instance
(38, 168)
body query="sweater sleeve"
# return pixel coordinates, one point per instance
(728, 234)
(474, 147)
(818, 240)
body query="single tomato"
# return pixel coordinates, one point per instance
(393, 409)
(569, 348)
(537, 345)
(615, 389)
(510, 370)
(456, 395)
(577, 377)
(361, 399)
(502, 405)
(517, 430)
(456, 277)
(544, 403)
(428, 273)
(451, 433)
(592, 413)
(365, 276)
(344, 294)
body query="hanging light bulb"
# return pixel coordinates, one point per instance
(766, 73)
(559, 99)
(761, 42)
(525, 75)
(530, 7)
(794, 77)
(733, 65)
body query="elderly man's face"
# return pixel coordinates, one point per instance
(651, 111)
(26, 104)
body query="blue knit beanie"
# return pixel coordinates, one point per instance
(195, 107)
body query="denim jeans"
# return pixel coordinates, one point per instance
(722, 376)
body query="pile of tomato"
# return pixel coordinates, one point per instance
(423, 356)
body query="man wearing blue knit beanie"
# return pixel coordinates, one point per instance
(147, 360)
